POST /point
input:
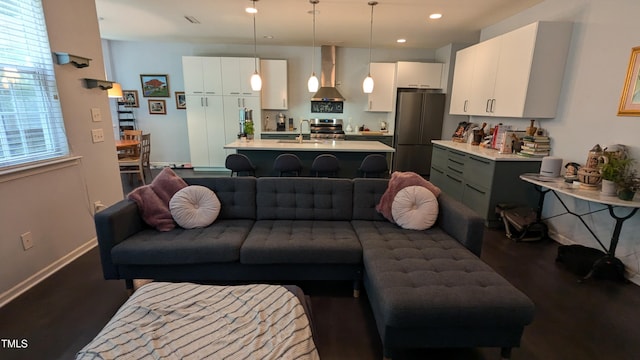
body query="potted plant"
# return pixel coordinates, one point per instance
(248, 129)
(628, 182)
(612, 171)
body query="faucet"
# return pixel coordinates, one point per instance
(299, 138)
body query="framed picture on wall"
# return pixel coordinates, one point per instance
(157, 107)
(155, 85)
(181, 100)
(130, 98)
(630, 98)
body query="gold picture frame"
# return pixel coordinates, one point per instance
(181, 100)
(157, 107)
(130, 98)
(630, 98)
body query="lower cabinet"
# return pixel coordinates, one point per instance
(481, 183)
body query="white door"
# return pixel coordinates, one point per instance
(212, 75)
(484, 76)
(462, 77)
(197, 130)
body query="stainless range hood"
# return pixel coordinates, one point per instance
(327, 91)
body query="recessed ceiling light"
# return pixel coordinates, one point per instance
(401, 41)
(435, 16)
(251, 10)
(268, 36)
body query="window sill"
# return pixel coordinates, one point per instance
(38, 168)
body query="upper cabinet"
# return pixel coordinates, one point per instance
(419, 75)
(381, 99)
(275, 95)
(465, 60)
(202, 75)
(517, 74)
(236, 76)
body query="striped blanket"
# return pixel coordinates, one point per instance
(189, 321)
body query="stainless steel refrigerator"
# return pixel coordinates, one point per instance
(419, 117)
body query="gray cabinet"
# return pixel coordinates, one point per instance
(481, 183)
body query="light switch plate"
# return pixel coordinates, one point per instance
(96, 115)
(97, 135)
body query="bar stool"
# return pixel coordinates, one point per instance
(325, 165)
(374, 165)
(239, 163)
(287, 164)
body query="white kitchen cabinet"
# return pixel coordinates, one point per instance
(384, 76)
(236, 76)
(275, 95)
(202, 75)
(205, 126)
(461, 97)
(419, 75)
(517, 74)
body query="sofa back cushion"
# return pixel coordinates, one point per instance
(366, 195)
(288, 198)
(237, 195)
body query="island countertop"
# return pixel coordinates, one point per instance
(311, 145)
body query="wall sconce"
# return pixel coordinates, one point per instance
(102, 84)
(77, 61)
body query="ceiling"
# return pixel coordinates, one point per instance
(289, 22)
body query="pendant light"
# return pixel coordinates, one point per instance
(256, 81)
(367, 84)
(313, 83)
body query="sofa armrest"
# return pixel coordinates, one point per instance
(462, 223)
(113, 226)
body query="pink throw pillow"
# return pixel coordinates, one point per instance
(399, 180)
(153, 199)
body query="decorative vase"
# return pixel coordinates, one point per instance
(626, 194)
(531, 130)
(608, 188)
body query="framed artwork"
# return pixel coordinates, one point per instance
(157, 107)
(630, 98)
(130, 98)
(155, 85)
(181, 100)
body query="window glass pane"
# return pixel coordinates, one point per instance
(31, 124)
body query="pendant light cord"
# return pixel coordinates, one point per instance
(255, 50)
(314, 38)
(372, 3)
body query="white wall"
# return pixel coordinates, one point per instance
(603, 34)
(56, 204)
(169, 140)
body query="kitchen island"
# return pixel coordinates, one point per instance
(350, 153)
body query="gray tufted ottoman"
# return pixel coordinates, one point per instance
(427, 290)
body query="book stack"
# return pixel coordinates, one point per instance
(535, 146)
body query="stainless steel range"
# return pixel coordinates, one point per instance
(326, 129)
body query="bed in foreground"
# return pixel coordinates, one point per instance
(190, 321)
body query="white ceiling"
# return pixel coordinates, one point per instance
(338, 22)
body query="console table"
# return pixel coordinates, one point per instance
(559, 186)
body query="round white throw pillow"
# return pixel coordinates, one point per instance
(194, 206)
(415, 208)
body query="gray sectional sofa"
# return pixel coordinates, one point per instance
(426, 288)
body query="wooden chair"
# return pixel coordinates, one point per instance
(131, 135)
(136, 165)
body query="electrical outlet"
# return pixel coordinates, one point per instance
(96, 115)
(97, 135)
(97, 206)
(27, 240)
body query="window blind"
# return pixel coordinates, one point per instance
(31, 124)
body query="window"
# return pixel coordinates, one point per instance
(31, 124)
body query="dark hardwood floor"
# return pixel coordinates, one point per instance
(596, 319)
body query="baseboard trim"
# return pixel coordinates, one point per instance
(36, 278)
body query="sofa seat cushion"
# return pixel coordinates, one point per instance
(219, 242)
(427, 279)
(301, 242)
